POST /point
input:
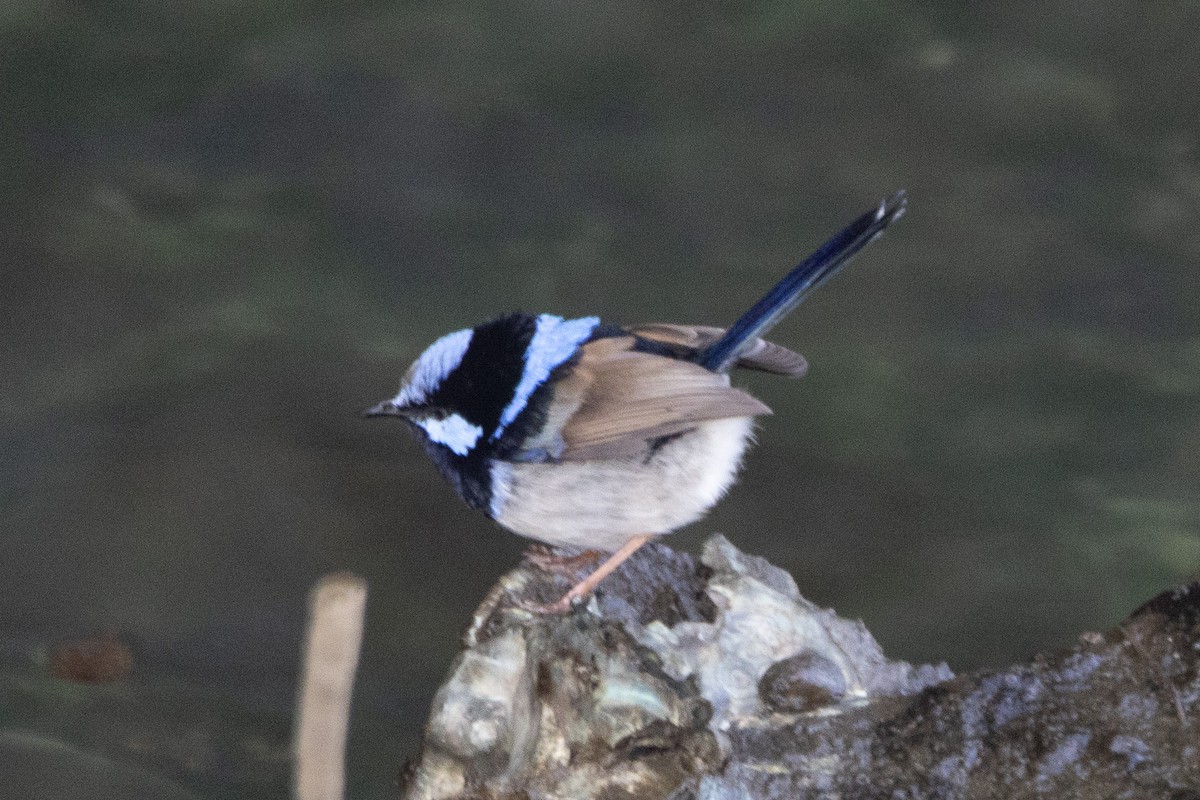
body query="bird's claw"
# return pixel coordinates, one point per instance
(564, 605)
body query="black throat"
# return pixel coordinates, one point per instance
(480, 388)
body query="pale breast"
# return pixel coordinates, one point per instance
(602, 504)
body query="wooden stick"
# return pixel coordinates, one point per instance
(335, 625)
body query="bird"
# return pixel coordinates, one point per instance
(582, 434)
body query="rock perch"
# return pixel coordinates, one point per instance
(717, 680)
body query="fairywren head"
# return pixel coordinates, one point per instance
(420, 400)
(470, 387)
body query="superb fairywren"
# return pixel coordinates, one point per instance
(583, 434)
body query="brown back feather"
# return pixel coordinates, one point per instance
(626, 398)
(689, 339)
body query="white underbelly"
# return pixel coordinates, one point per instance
(602, 504)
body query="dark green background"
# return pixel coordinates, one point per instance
(227, 227)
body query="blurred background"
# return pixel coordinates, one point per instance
(228, 227)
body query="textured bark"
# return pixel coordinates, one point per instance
(718, 680)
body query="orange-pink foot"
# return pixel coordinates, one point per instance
(589, 584)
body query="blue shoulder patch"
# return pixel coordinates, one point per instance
(554, 342)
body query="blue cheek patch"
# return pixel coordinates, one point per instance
(453, 432)
(553, 343)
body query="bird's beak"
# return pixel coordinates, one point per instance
(387, 408)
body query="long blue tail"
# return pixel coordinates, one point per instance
(790, 292)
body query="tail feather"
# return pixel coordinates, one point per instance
(819, 267)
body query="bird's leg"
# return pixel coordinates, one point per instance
(547, 559)
(588, 584)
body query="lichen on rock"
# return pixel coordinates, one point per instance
(761, 620)
(567, 706)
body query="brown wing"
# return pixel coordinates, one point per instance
(764, 355)
(623, 399)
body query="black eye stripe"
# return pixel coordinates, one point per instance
(485, 379)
